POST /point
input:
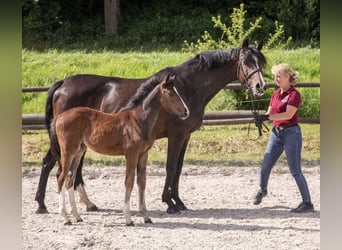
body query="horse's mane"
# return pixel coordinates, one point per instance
(146, 88)
(215, 58)
(212, 58)
(206, 59)
(253, 54)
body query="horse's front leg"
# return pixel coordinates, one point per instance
(141, 181)
(131, 163)
(79, 186)
(175, 143)
(175, 184)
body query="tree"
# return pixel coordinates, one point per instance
(111, 16)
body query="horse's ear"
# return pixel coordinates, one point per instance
(260, 45)
(245, 43)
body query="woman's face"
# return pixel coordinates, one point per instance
(282, 79)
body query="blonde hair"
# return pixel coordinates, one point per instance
(284, 68)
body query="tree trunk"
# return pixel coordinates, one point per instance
(111, 14)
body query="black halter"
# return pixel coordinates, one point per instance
(248, 75)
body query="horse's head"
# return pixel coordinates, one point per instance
(171, 99)
(251, 62)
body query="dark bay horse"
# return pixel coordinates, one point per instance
(200, 79)
(130, 133)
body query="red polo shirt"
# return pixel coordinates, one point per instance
(279, 102)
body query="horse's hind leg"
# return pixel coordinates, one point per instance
(48, 163)
(141, 181)
(79, 186)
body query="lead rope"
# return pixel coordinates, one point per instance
(258, 125)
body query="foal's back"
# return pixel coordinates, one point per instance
(110, 134)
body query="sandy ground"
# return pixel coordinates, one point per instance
(221, 214)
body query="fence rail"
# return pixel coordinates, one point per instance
(231, 117)
(228, 86)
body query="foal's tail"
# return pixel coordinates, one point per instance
(54, 144)
(49, 105)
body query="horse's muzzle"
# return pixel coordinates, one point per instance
(259, 89)
(184, 115)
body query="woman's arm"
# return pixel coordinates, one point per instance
(287, 115)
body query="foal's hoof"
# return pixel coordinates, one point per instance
(67, 223)
(42, 211)
(131, 224)
(149, 221)
(92, 209)
(173, 210)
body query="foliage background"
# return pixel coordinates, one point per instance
(152, 24)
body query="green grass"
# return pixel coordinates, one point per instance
(211, 146)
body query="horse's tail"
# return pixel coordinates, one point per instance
(49, 106)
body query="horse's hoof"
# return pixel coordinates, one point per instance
(149, 221)
(92, 209)
(173, 210)
(181, 207)
(68, 223)
(131, 224)
(79, 220)
(42, 211)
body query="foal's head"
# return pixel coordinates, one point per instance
(251, 62)
(171, 99)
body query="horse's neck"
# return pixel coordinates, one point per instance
(208, 83)
(205, 81)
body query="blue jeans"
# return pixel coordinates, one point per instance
(290, 140)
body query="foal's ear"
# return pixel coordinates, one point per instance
(169, 81)
(245, 43)
(170, 78)
(260, 45)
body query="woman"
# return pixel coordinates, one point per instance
(286, 135)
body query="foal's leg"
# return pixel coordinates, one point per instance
(131, 163)
(73, 206)
(141, 181)
(79, 185)
(62, 206)
(70, 181)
